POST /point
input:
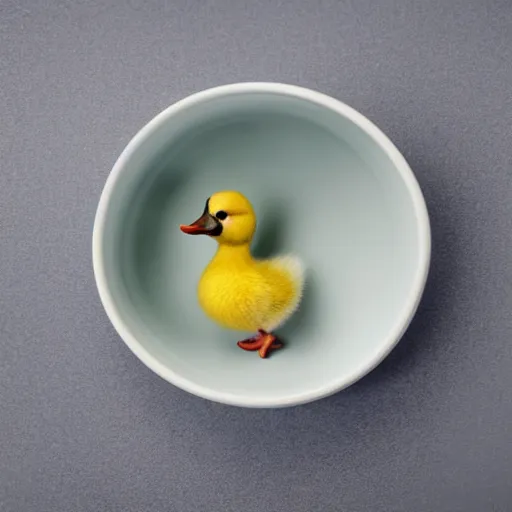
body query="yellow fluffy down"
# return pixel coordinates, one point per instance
(245, 294)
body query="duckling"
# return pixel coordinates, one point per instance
(236, 290)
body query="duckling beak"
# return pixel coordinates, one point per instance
(205, 225)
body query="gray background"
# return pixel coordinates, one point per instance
(84, 426)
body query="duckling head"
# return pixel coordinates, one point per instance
(228, 217)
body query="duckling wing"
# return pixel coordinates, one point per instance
(285, 279)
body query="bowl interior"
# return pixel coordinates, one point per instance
(322, 189)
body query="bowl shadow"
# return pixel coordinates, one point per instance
(419, 340)
(271, 230)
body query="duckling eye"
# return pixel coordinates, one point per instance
(221, 215)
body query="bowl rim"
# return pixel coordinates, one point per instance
(401, 323)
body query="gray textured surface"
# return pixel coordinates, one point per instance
(85, 427)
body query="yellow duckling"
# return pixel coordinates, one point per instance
(236, 290)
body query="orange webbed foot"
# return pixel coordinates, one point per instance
(264, 342)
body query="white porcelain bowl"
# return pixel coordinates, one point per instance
(326, 184)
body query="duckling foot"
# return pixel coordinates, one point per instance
(263, 342)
